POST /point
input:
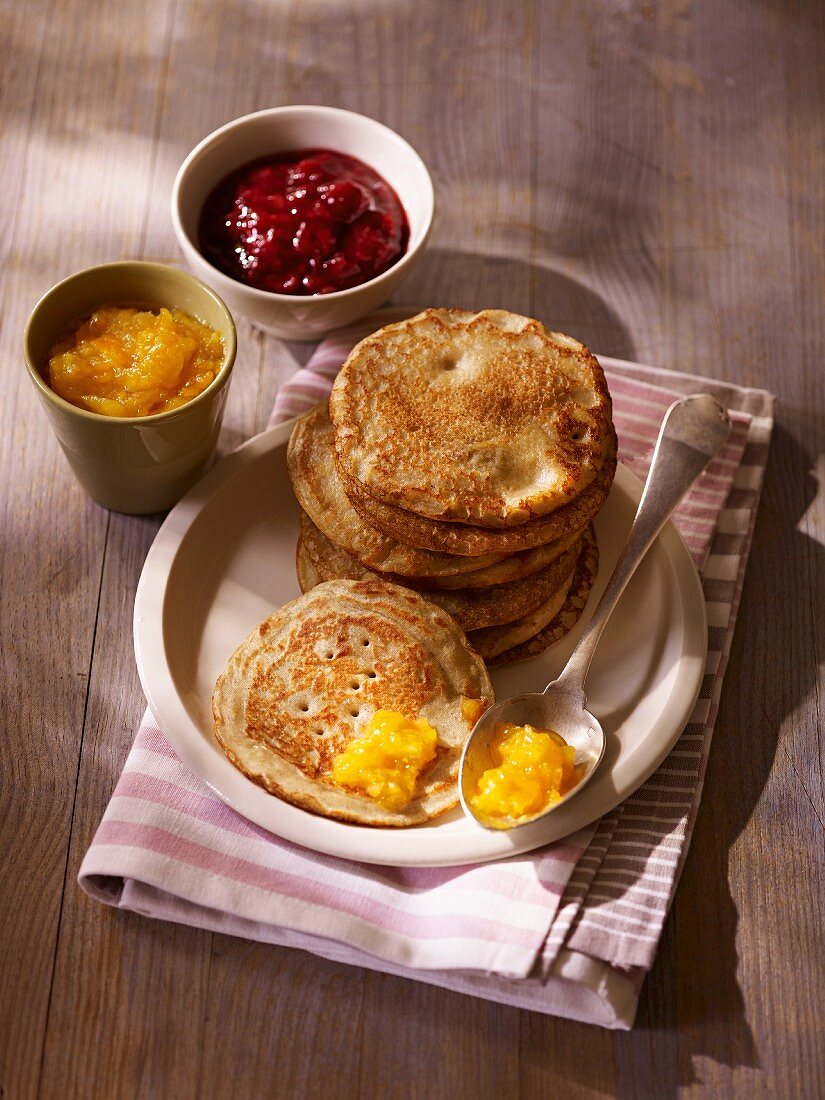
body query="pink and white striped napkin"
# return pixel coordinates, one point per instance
(571, 929)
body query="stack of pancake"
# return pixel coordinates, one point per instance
(463, 455)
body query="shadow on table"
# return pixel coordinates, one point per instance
(468, 280)
(772, 670)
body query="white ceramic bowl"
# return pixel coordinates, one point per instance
(277, 130)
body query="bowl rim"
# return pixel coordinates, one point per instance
(231, 285)
(218, 382)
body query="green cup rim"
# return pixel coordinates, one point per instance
(230, 344)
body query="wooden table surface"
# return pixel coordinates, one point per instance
(646, 176)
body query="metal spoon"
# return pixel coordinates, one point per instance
(693, 431)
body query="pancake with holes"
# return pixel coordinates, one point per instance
(320, 492)
(318, 559)
(487, 418)
(304, 685)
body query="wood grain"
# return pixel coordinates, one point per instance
(648, 177)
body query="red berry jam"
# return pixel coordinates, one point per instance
(307, 222)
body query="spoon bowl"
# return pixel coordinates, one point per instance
(554, 709)
(694, 430)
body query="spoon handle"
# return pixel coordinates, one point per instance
(693, 431)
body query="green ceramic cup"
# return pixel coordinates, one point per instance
(139, 464)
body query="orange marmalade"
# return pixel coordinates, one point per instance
(385, 761)
(130, 362)
(532, 769)
(471, 710)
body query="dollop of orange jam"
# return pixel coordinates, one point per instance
(532, 769)
(132, 362)
(387, 758)
(471, 710)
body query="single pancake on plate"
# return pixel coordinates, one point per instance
(486, 418)
(306, 682)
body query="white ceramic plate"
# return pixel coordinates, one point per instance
(225, 558)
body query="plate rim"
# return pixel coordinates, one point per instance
(171, 715)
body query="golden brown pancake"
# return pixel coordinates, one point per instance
(491, 641)
(484, 418)
(512, 568)
(314, 475)
(462, 538)
(584, 577)
(318, 558)
(306, 681)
